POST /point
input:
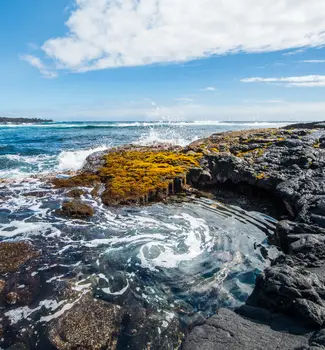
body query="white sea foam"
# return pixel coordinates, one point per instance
(27, 165)
(163, 136)
(74, 160)
(194, 234)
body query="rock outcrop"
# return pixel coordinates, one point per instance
(228, 330)
(134, 175)
(287, 305)
(76, 209)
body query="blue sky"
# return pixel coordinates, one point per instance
(142, 60)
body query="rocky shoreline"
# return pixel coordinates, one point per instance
(10, 120)
(285, 167)
(286, 308)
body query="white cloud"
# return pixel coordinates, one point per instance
(37, 63)
(294, 52)
(300, 81)
(313, 61)
(209, 88)
(114, 33)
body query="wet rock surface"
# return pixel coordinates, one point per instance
(228, 330)
(77, 209)
(15, 254)
(89, 324)
(96, 324)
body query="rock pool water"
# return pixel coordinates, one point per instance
(185, 259)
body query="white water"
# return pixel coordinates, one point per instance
(74, 160)
(163, 136)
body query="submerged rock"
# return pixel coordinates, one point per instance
(89, 324)
(77, 209)
(97, 324)
(15, 254)
(147, 329)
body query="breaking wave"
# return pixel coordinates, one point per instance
(74, 160)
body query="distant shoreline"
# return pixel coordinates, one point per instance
(7, 120)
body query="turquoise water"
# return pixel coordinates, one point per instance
(180, 259)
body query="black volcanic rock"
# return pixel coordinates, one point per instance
(97, 324)
(289, 166)
(312, 125)
(293, 291)
(229, 331)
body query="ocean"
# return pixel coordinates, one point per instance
(181, 259)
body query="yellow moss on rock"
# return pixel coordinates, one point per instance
(81, 180)
(132, 175)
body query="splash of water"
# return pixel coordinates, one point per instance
(167, 135)
(74, 160)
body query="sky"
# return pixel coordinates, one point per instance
(256, 60)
